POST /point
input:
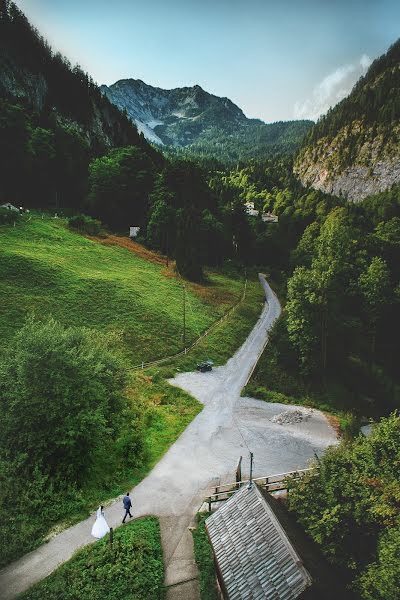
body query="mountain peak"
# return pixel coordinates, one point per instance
(191, 116)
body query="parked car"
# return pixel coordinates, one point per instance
(204, 366)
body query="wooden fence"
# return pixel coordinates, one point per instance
(271, 483)
(183, 352)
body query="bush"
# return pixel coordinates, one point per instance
(381, 580)
(85, 224)
(61, 388)
(8, 216)
(63, 406)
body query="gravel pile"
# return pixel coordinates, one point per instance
(292, 416)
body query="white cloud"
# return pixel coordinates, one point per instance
(333, 88)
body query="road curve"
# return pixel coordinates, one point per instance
(207, 452)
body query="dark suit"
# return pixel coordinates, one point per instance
(127, 506)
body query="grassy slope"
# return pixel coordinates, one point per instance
(132, 569)
(47, 269)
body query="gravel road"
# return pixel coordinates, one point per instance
(282, 438)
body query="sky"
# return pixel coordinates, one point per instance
(282, 60)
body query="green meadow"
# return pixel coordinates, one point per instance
(48, 270)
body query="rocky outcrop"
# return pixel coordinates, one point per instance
(174, 116)
(354, 150)
(356, 182)
(22, 84)
(355, 164)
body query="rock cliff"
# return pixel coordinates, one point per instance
(354, 151)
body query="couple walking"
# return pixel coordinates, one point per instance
(100, 527)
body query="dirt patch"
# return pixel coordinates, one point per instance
(128, 244)
(207, 292)
(335, 423)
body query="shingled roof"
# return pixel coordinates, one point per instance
(255, 558)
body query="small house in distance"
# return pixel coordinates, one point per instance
(250, 210)
(261, 552)
(133, 232)
(9, 206)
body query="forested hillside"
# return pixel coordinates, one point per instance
(53, 120)
(45, 82)
(354, 149)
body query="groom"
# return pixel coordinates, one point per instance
(127, 506)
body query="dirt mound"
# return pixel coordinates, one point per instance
(289, 417)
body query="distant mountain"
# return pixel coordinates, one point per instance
(354, 150)
(191, 118)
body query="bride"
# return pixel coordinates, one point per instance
(100, 527)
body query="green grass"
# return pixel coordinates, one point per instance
(132, 569)
(49, 270)
(204, 559)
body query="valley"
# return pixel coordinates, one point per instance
(156, 326)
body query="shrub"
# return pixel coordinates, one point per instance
(61, 388)
(131, 568)
(8, 216)
(85, 224)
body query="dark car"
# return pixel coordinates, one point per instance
(207, 365)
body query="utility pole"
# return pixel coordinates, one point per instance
(251, 470)
(184, 317)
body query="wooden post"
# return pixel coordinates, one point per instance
(209, 504)
(239, 472)
(184, 317)
(251, 470)
(111, 536)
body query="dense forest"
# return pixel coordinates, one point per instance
(46, 83)
(233, 144)
(352, 510)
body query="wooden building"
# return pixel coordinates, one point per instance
(253, 555)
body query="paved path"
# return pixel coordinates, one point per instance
(206, 453)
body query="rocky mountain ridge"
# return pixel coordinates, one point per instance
(190, 117)
(354, 150)
(173, 117)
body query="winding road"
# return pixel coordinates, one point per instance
(205, 454)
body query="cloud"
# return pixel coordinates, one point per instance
(333, 88)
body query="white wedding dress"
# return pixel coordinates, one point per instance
(100, 527)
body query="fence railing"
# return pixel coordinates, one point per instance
(271, 483)
(205, 333)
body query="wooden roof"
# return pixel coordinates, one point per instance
(255, 558)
